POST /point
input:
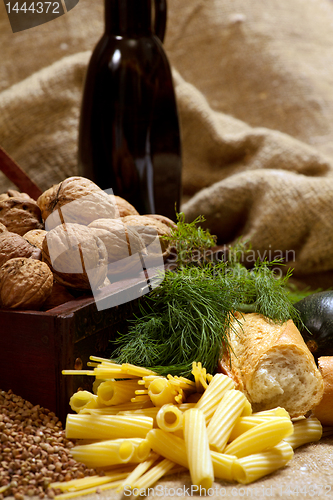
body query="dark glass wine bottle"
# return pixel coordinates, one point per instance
(129, 137)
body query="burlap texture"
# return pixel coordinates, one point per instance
(254, 85)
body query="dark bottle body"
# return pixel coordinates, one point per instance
(129, 137)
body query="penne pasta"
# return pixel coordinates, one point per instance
(261, 437)
(227, 412)
(161, 392)
(169, 418)
(107, 426)
(305, 431)
(168, 446)
(253, 467)
(142, 450)
(213, 394)
(104, 453)
(83, 399)
(115, 392)
(197, 448)
(223, 465)
(244, 424)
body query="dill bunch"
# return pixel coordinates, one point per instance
(183, 320)
(190, 315)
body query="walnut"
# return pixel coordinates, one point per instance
(35, 237)
(59, 296)
(20, 216)
(124, 207)
(121, 242)
(164, 219)
(75, 200)
(2, 228)
(24, 283)
(13, 245)
(148, 227)
(77, 257)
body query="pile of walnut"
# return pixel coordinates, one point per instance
(69, 220)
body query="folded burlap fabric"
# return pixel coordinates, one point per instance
(254, 86)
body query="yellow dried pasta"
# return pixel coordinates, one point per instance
(213, 394)
(169, 418)
(107, 426)
(197, 448)
(216, 435)
(260, 438)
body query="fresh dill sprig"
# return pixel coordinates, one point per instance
(190, 240)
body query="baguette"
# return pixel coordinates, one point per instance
(324, 410)
(272, 365)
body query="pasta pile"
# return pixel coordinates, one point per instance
(138, 427)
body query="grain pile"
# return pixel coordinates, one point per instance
(33, 450)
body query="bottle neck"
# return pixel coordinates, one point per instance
(128, 17)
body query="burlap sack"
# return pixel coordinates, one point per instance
(254, 84)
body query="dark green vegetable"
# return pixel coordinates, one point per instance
(316, 312)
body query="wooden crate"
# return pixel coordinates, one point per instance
(36, 345)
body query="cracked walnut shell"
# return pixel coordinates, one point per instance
(75, 200)
(24, 283)
(77, 257)
(35, 237)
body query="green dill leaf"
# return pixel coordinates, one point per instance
(190, 240)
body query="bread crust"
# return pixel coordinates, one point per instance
(324, 410)
(253, 338)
